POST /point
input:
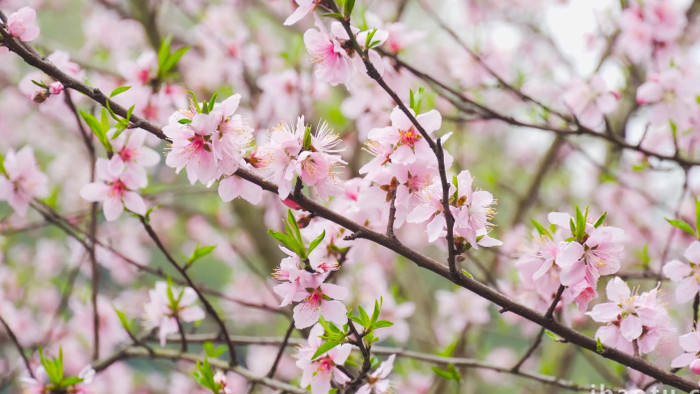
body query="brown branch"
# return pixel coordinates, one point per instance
(18, 346)
(207, 305)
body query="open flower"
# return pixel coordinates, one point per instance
(377, 382)
(629, 318)
(164, 312)
(115, 190)
(22, 24)
(22, 181)
(687, 275)
(691, 358)
(318, 372)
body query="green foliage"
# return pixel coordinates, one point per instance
(167, 60)
(451, 373)
(204, 375)
(54, 370)
(199, 252)
(292, 239)
(416, 99)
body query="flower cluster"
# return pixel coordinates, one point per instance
(687, 275)
(634, 323)
(304, 283)
(573, 253)
(168, 306)
(21, 180)
(293, 151)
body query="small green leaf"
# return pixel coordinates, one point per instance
(349, 5)
(600, 220)
(540, 228)
(213, 351)
(382, 323)
(681, 225)
(326, 346)
(172, 60)
(333, 15)
(555, 337)
(467, 274)
(200, 252)
(599, 346)
(364, 317)
(307, 138)
(119, 90)
(316, 241)
(697, 216)
(164, 51)
(184, 121)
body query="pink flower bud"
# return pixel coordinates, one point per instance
(291, 204)
(695, 366)
(56, 88)
(22, 24)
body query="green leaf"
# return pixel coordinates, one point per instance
(326, 346)
(450, 374)
(681, 225)
(540, 228)
(599, 346)
(697, 216)
(333, 15)
(287, 241)
(184, 121)
(122, 318)
(195, 102)
(70, 381)
(200, 252)
(119, 90)
(364, 317)
(164, 51)
(467, 274)
(416, 99)
(172, 60)
(213, 351)
(349, 5)
(370, 35)
(555, 337)
(316, 241)
(600, 220)
(382, 323)
(306, 145)
(97, 129)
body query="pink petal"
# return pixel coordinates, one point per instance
(569, 254)
(95, 191)
(676, 270)
(692, 254)
(631, 327)
(690, 342)
(334, 311)
(305, 315)
(334, 291)
(112, 208)
(687, 289)
(134, 203)
(683, 360)
(617, 290)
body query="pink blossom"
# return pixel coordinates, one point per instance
(591, 101)
(233, 187)
(115, 190)
(629, 317)
(690, 343)
(132, 156)
(22, 24)
(321, 301)
(377, 382)
(688, 275)
(280, 154)
(403, 136)
(158, 312)
(319, 372)
(22, 180)
(303, 8)
(192, 145)
(334, 63)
